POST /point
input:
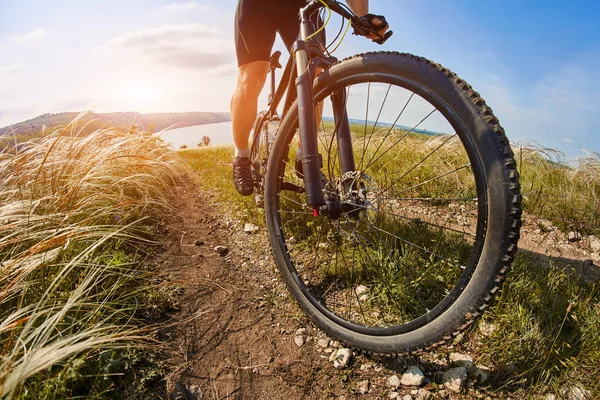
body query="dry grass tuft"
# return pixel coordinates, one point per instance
(76, 212)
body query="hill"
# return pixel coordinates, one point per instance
(159, 121)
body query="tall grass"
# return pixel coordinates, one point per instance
(77, 215)
(568, 194)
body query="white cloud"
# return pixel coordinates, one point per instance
(559, 110)
(189, 6)
(9, 69)
(31, 38)
(192, 47)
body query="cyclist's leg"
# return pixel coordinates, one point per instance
(251, 79)
(254, 38)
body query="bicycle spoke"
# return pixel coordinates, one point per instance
(374, 126)
(412, 244)
(371, 161)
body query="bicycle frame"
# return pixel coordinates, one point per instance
(306, 58)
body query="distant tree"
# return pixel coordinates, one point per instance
(205, 140)
(183, 147)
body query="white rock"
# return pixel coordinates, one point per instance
(393, 381)
(595, 245)
(461, 360)
(340, 358)
(412, 377)
(407, 397)
(300, 337)
(250, 228)
(363, 387)
(574, 236)
(361, 292)
(395, 395)
(454, 379)
(323, 342)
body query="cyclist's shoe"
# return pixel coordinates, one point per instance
(242, 176)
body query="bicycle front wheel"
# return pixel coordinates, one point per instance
(421, 230)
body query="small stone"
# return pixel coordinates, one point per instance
(393, 381)
(300, 337)
(250, 228)
(549, 397)
(395, 395)
(406, 397)
(455, 378)
(423, 394)
(323, 343)
(595, 245)
(222, 250)
(461, 360)
(363, 387)
(574, 237)
(196, 392)
(413, 376)
(199, 242)
(443, 394)
(340, 358)
(481, 373)
(361, 292)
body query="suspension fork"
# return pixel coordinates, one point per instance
(342, 131)
(311, 160)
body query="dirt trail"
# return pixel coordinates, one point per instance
(235, 338)
(237, 341)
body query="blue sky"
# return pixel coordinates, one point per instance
(535, 62)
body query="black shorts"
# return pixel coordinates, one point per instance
(258, 21)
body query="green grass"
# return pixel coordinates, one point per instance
(546, 321)
(78, 299)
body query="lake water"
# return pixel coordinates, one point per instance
(219, 133)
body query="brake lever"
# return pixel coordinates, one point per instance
(383, 38)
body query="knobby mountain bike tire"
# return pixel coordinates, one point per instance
(421, 234)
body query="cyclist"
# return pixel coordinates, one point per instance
(256, 24)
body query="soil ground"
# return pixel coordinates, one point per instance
(234, 335)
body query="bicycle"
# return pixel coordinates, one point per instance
(391, 236)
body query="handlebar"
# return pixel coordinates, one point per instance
(362, 25)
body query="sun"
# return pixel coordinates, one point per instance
(141, 96)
